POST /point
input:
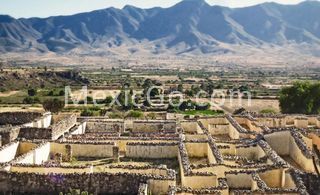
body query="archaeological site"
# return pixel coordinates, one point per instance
(42, 153)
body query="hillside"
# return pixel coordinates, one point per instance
(191, 26)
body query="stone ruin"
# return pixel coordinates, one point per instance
(240, 154)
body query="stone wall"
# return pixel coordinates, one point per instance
(251, 125)
(291, 143)
(36, 155)
(31, 133)
(154, 127)
(9, 134)
(53, 132)
(79, 129)
(104, 126)
(253, 152)
(197, 150)
(279, 141)
(8, 152)
(42, 122)
(191, 127)
(18, 118)
(82, 149)
(62, 126)
(151, 150)
(97, 183)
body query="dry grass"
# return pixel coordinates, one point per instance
(95, 94)
(20, 108)
(157, 77)
(255, 105)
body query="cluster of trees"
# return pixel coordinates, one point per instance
(93, 111)
(301, 98)
(53, 105)
(54, 93)
(188, 105)
(148, 83)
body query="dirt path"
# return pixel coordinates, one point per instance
(7, 94)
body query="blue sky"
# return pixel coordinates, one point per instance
(45, 8)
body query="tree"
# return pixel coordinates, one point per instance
(32, 92)
(61, 92)
(89, 99)
(203, 107)
(243, 88)
(51, 93)
(189, 93)
(125, 100)
(187, 105)
(180, 88)
(53, 105)
(31, 100)
(154, 92)
(301, 98)
(108, 100)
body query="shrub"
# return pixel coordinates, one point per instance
(31, 100)
(51, 93)
(108, 100)
(89, 99)
(32, 92)
(203, 107)
(135, 114)
(268, 111)
(87, 112)
(152, 116)
(61, 93)
(114, 115)
(53, 105)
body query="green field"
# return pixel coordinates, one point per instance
(202, 112)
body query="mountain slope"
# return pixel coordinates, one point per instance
(191, 25)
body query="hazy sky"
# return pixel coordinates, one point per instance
(44, 8)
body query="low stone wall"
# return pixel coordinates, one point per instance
(82, 149)
(9, 134)
(8, 152)
(36, 155)
(151, 150)
(104, 126)
(31, 133)
(79, 129)
(51, 133)
(96, 183)
(190, 127)
(272, 155)
(62, 126)
(154, 127)
(18, 118)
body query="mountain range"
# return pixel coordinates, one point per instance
(187, 27)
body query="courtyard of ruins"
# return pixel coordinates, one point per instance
(43, 153)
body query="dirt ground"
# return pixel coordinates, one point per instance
(157, 77)
(254, 105)
(7, 94)
(20, 108)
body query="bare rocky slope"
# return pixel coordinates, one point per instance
(191, 26)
